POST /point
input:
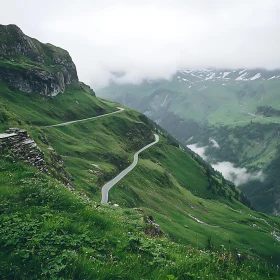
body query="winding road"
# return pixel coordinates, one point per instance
(106, 188)
(91, 118)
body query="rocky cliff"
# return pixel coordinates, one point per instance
(23, 148)
(31, 66)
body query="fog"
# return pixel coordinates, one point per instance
(152, 39)
(198, 150)
(237, 175)
(214, 143)
(232, 173)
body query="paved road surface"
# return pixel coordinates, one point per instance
(100, 116)
(106, 188)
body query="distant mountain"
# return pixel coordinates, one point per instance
(240, 109)
(172, 217)
(186, 75)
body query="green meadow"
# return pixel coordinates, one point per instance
(49, 232)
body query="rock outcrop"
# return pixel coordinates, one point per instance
(23, 148)
(153, 229)
(31, 66)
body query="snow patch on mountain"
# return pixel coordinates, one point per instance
(211, 75)
(241, 78)
(257, 76)
(226, 74)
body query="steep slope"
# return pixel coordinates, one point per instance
(49, 231)
(239, 109)
(254, 146)
(189, 201)
(164, 183)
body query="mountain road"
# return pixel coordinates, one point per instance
(106, 188)
(91, 118)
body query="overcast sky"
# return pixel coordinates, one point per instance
(152, 39)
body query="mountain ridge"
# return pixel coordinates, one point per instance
(241, 74)
(198, 105)
(49, 230)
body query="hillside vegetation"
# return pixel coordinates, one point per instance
(48, 232)
(53, 226)
(237, 108)
(192, 204)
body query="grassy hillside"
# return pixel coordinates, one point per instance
(203, 98)
(175, 190)
(78, 101)
(168, 183)
(240, 112)
(47, 232)
(52, 225)
(255, 146)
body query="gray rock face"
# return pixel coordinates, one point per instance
(42, 82)
(23, 148)
(31, 66)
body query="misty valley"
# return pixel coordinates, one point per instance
(226, 117)
(148, 148)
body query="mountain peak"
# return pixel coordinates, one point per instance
(31, 66)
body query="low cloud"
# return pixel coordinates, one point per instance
(152, 39)
(198, 150)
(234, 174)
(214, 143)
(237, 175)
